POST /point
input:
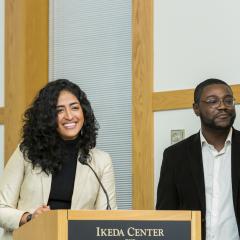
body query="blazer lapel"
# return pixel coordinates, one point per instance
(195, 159)
(46, 181)
(46, 186)
(81, 177)
(235, 166)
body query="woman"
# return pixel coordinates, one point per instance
(51, 168)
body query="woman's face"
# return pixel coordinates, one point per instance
(70, 117)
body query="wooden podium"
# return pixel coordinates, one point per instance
(56, 225)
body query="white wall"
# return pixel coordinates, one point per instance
(193, 41)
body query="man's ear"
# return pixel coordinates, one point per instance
(196, 108)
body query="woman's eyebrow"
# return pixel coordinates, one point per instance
(72, 103)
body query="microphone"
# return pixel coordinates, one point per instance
(84, 162)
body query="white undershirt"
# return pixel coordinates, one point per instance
(220, 217)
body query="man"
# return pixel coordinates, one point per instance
(202, 172)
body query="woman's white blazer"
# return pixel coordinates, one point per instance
(23, 189)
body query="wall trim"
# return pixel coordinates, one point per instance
(142, 115)
(26, 62)
(170, 100)
(181, 99)
(1, 115)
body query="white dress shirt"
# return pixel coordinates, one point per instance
(220, 216)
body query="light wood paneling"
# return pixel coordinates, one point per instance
(196, 225)
(1, 115)
(180, 99)
(172, 100)
(26, 61)
(49, 225)
(132, 215)
(53, 224)
(143, 174)
(236, 92)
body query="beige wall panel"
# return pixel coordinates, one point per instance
(26, 61)
(143, 178)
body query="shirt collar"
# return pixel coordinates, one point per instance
(204, 141)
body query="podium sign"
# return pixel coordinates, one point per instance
(113, 225)
(129, 230)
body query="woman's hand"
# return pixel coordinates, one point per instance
(40, 210)
(37, 212)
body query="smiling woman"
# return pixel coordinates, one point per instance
(55, 159)
(69, 116)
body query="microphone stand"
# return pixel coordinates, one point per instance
(103, 188)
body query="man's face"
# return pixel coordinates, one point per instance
(215, 108)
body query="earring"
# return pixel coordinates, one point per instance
(81, 132)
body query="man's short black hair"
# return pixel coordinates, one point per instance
(199, 89)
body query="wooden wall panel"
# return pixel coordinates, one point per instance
(180, 99)
(172, 100)
(1, 115)
(145, 102)
(143, 164)
(26, 61)
(236, 92)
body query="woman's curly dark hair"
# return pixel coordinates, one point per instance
(40, 140)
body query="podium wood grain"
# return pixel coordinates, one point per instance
(53, 225)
